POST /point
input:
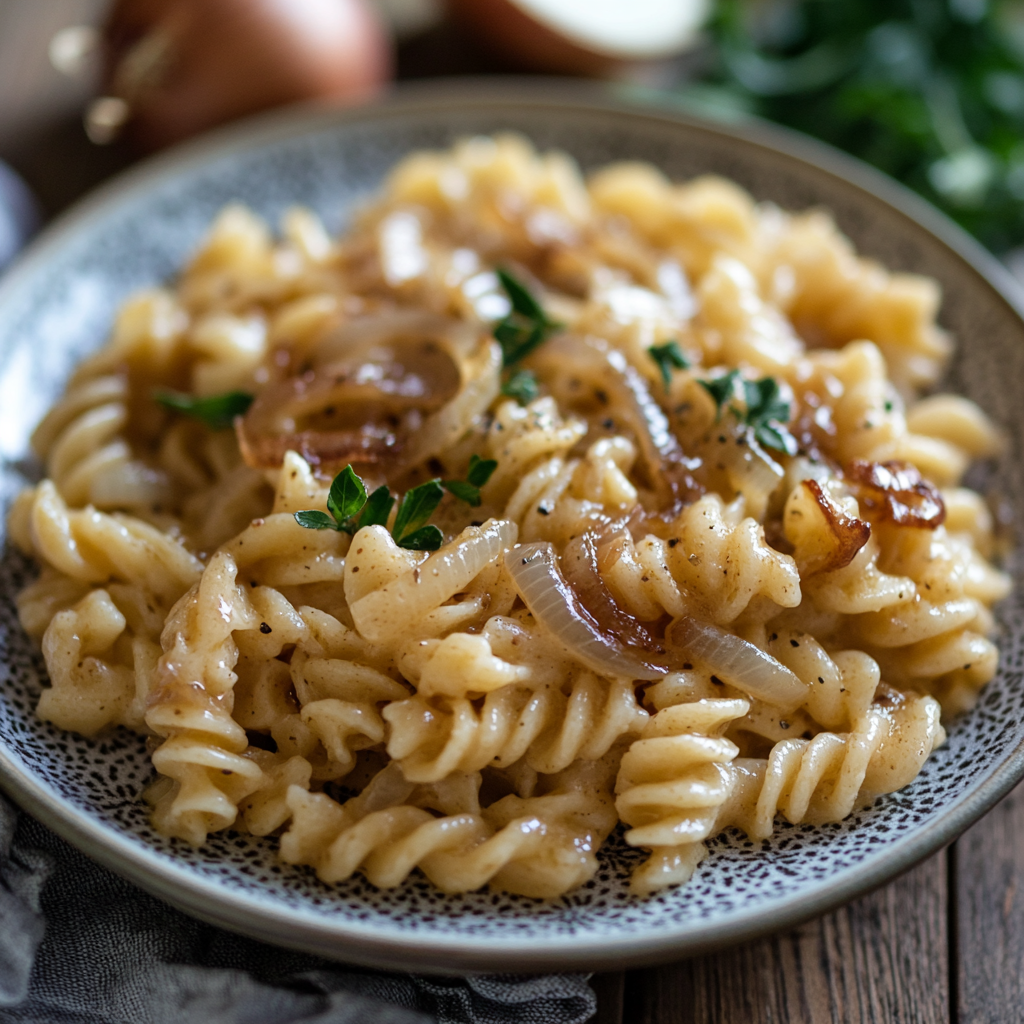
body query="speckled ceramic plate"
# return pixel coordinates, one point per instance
(57, 305)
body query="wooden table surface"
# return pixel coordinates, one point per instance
(943, 944)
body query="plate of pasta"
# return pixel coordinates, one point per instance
(508, 530)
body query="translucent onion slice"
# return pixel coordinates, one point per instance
(592, 359)
(579, 563)
(412, 412)
(481, 382)
(387, 612)
(553, 603)
(738, 663)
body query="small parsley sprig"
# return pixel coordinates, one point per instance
(668, 357)
(526, 327)
(522, 386)
(765, 411)
(767, 414)
(346, 499)
(349, 508)
(218, 412)
(468, 490)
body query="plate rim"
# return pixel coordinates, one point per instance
(350, 940)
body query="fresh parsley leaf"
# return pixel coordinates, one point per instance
(779, 438)
(767, 413)
(518, 338)
(427, 538)
(721, 389)
(312, 520)
(764, 401)
(522, 301)
(416, 507)
(668, 356)
(480, 470)
(377, 508)
(479, 473)
(522, 386)
(526, 327)
(217, 411)
(346, 497)
(464, 491)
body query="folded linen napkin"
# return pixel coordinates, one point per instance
(79, 945)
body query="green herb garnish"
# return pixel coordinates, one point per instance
(479, 473)
(522, 386)
(377, 510)
(415, 508)
(668, 356)
(721, 389)
(218, 411)
(347, 500)
(526, 327)
(766, 412)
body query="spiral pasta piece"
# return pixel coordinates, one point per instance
(202, 756)
(669, 347)
(672, 785)
(825, 778)
(538, 846)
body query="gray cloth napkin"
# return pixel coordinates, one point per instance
(78, 945)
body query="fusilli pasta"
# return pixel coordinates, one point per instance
(531, 505)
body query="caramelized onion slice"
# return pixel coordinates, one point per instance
(738, 663)
(543, 588)
(666, 466)
(846, 534)
(896, 491)
(579, 563)
(408, 384)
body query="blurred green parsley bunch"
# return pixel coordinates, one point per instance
(929, 91)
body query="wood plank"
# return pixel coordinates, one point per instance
(881, 960)
(989, 895)
(609, 988)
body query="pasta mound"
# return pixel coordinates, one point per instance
(719, 568)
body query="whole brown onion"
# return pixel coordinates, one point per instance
(183, 66)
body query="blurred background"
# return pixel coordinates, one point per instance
(929, 91)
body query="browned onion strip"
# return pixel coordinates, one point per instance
(543, 588)
(334, 448)
(896, 491)
(405, 424)
(667, 467)
(848, 534)
(580, 565)
(738, 663)
(481, 382)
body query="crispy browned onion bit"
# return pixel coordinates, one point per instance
(896, 491)
(846, 533)
(388, 390)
